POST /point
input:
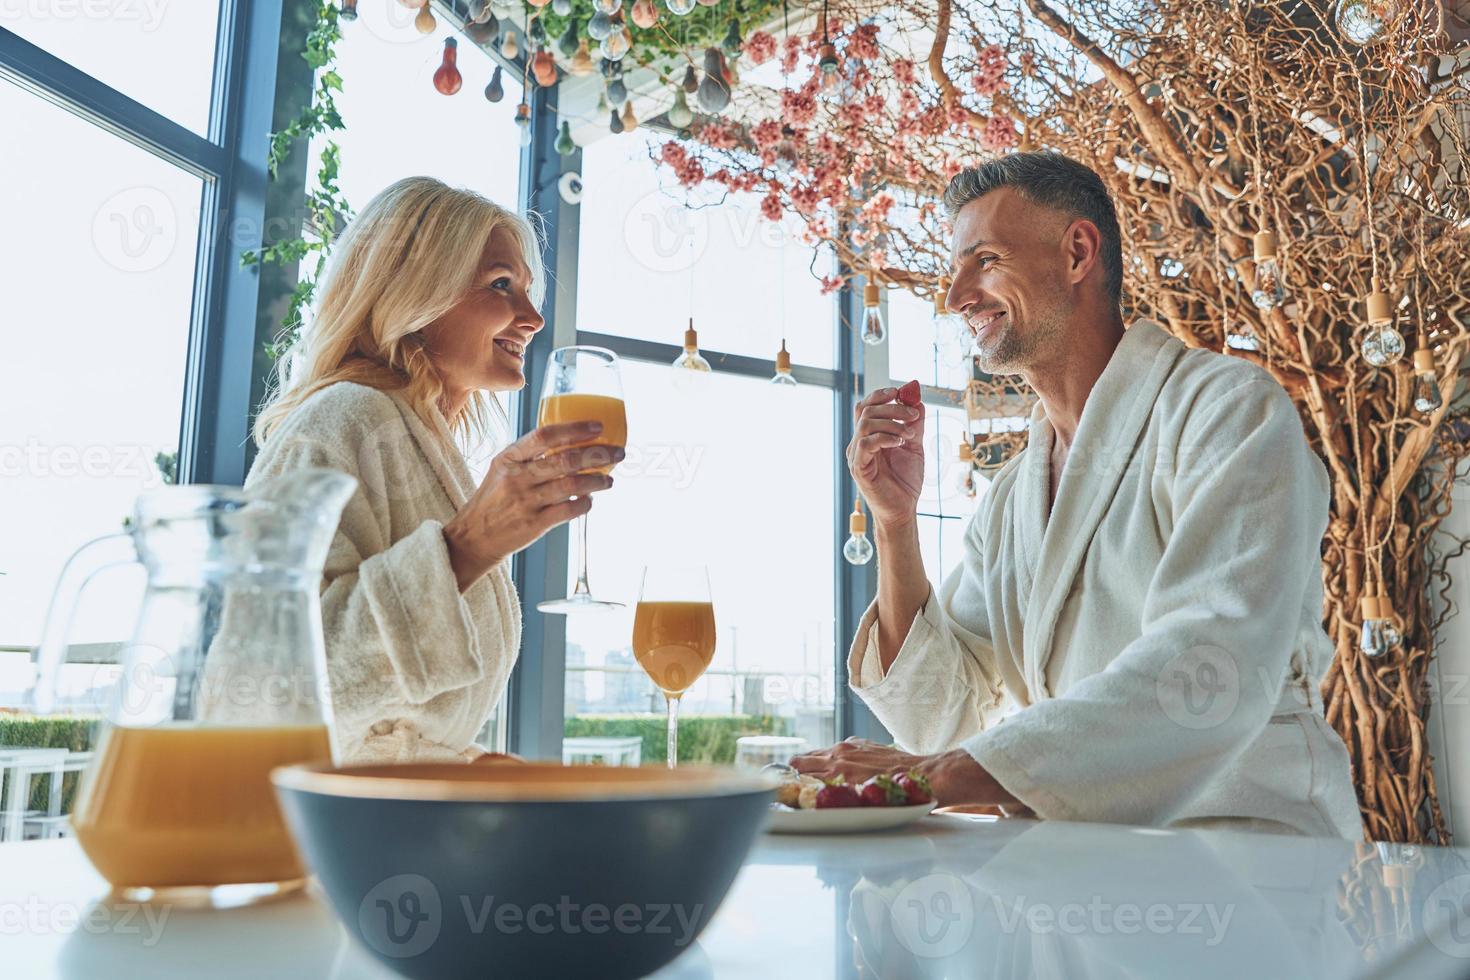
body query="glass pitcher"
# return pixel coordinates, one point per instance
(223, 680)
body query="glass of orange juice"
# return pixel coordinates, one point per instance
(583, 385)
(674, 635)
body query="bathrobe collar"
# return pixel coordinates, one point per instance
(1113, 419)
(437, 444)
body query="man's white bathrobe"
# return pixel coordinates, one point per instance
(1150, 652)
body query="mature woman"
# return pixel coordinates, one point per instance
(427, 310)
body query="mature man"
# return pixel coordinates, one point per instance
(1134, 634)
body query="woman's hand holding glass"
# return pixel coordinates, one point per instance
(533, 485)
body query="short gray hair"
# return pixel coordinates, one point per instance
(1052, 181)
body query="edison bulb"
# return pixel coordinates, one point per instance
(875, 331)
(1382, 346)
(1427, 397)
(858, 550)
(1363, 22)
(681, 7)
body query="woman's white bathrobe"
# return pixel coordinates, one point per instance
(1150, 653)
(414, 667)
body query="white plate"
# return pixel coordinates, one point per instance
(844, 820)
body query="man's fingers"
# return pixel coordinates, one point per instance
(879, 397)
(546, 438)
(869, 427)
(870, 445)
(895, 410)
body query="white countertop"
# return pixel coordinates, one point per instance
(950, 897)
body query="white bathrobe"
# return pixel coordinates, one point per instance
(415, 668)
(1149, 653)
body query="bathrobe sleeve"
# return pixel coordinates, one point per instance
(392, 615)
(943, 686)
(1137, 741)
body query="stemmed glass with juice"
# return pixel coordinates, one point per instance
(674, 635)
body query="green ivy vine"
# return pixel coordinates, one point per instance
(327, 211)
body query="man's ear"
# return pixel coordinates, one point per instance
(1082, 245)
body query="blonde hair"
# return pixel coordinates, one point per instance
(402, 263)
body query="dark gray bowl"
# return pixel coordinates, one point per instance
(523, 870)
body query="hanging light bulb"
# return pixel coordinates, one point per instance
(348, 11)
(561, 7)
(858, 550)
(1365, 22)
(536, 32)
(523, 120)
(644, 14)
(830, 67)
(617, 91)
(690, 366)
(1370, 639)
(1427, 397)
(615, 124)
(447, 79)
(509, 46)
(1382, 345)
(874, 330)
(732, 41)
(543, 67)
(690, 84)
(608, 7)
(618, 43)
(495, 91)
(567, 43)
(600, 26)
(582, 61)
(680, 115)
(564, 144)
(483, 32)
(1269, 292)
(681, 7)
(1391, 636)
(714, 91)
(630, 121)
(782, 378)
(424, 22)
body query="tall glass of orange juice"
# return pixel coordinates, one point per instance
(674, 635)
(583, 384)
(223, 680)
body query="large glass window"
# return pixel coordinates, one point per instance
(99, 254)
(653, 254)
(158, 53)
(736, 475)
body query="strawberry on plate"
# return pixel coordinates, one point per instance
(881, 790)
(909, 394)
(916, 786)
(837, 794)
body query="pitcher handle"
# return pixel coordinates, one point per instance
(56, 629)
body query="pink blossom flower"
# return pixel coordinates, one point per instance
(804, 198)
(798, 107)
(691, 172)
(721, 176)
(958, 114)
(771, 206)
(875, 105)
(790, 54)
(912, 171)
(999, 133)
(863, 42)
(717, 135)
(908, 106)
(765, 133)
(949, 168)
(768, 157)
(903, 71)
(760, 48)
(830, 284)
(990, 70)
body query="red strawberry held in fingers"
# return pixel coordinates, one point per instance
(909, 394)
(881, 790)
(837, 794)
(916, 786)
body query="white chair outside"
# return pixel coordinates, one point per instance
(20, 767)
(755, 751)
(610, 750)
